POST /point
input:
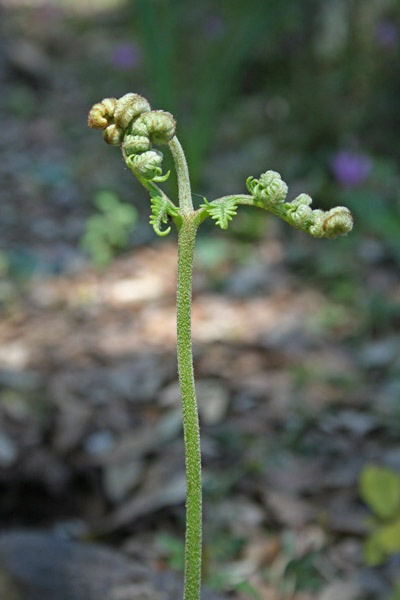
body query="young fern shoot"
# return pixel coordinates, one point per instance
(130, 122)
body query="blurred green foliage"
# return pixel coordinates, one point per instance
(304, 572)
(222, 548)
(323, 72)
(108, 230)
(226, 580)
(207, 79)
(396, 593)
(173, 549)
(380, 490)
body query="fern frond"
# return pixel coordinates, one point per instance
(161, 208)
(223, 212)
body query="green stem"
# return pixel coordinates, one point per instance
(191, 429)
(182, 172)
(152, 187)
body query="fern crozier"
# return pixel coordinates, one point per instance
(158, 125)
(102, 113)
(338, 221)
(128, 108)
(147, 164)
(113, 135)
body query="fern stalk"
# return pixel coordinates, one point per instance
(191, 429)
(130, 123)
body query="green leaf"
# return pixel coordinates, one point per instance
(374, 554)
(125, 215)
(383, 542)
(106, 201)
(246, 588)
(96, 224)
(390, 537)
(161, 208)
(380, 489)
(222, 212)
(108, 230)
(161, 178)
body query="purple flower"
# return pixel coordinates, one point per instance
(386, 34)
(350, 168)
(126, 55)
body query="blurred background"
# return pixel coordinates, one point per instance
(296, 340)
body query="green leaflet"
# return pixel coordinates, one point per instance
(161, 208)
(223, 212)
(162, 177)
(380, 489)
(381, 543)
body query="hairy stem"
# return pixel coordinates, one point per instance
(182, 172)
(152, 187)
(193, 542)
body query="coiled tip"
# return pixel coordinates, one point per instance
(147, 164)
(270, 189)
(101, 113)
(128, 108)
(158, 125)
(113, 135)
(337, 221)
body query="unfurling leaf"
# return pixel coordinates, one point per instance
(222, 212)
(161, 208)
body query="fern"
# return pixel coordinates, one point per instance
(161, 209)
(223, 212)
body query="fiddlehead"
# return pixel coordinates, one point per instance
(102, 114)
(147, 164)
(129, 107)
(158, 125)
(130, 123)
(153, 127)
(270, 192)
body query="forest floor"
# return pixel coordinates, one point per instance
(298, 389)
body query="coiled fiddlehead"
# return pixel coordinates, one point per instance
(153, 127)
(147, 164)
(129, 107)
(270, 192)
(269, 189)
(129, 122)
(102, 113)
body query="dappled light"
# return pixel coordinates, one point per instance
(295, 340)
